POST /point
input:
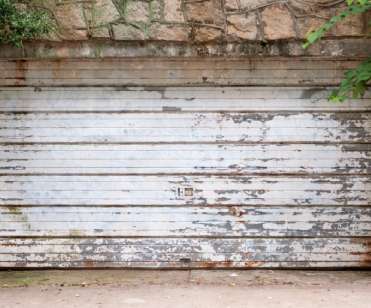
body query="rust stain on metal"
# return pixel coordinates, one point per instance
(365, 256)
(188, 191)
(9, 244)
(21, 67)
(229, 264)
(57, 69)
(235, 211)
(253, 264)
(89, 263)
(217, 264)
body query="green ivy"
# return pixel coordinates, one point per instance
(355, 82)
(18, 25)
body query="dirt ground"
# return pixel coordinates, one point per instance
(178, 289)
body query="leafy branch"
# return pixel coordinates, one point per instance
(355, 82)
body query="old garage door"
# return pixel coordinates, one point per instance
(202, 163)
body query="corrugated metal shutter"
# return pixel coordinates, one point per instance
(148, 175)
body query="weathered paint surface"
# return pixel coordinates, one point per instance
(185, 221)
(184, 190)
(185, 127)
(159, 99)
(180, 177)
(185, 158)
(186, 252)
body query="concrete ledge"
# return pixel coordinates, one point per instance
(110, 49)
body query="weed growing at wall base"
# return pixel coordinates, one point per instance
(17, 25)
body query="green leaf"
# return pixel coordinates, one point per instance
(354, 84)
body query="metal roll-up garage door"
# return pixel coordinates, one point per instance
(182, 163)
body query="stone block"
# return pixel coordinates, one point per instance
(101, 32)
(231, 5)
(128, 33)
(206, 12)
(306, 24)
(101, 12)
(277, 23)
(350, 26)
(242, 26)
(254, 4)
(155, 10)
(70, 15)
(173, 11)
(71, 21)
(176, 33)
(137, 11)
(206, 34)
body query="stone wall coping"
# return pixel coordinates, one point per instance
(335, 48)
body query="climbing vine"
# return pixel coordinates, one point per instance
(356, 81)
(18, 25)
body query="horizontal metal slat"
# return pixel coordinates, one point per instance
(185, 159)
(139, 71)
(173, 253)
(224, 222)
(186, 127)
(185, 190)
(160, 99)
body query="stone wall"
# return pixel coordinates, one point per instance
(195, 20)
